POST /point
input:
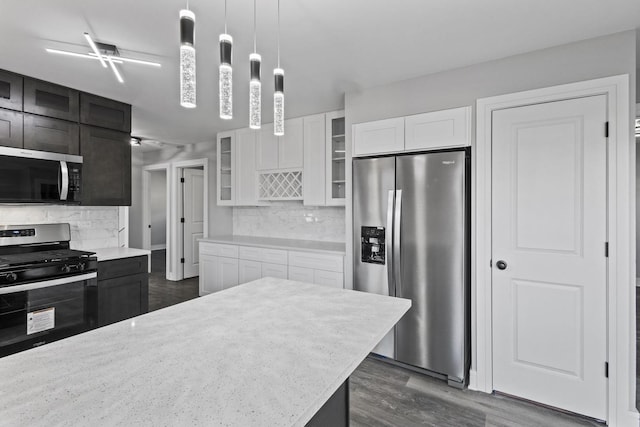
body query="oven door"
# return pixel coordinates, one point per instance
(34, 314)
(28, 176)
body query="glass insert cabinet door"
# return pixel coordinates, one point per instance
(336, 158)
(226, 170)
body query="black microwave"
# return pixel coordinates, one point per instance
(28, 176)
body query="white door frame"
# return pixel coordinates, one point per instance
(621, 346)
(176, 203)
(146, 211)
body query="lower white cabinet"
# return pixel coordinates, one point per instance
(249, 270)
(274, 270)
(225, 265)
(217, 273)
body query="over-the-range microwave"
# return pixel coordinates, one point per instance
(29, 176)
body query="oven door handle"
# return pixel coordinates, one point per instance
(48, 283)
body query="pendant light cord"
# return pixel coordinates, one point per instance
(225, 16)
(254, 26)
(278, 33)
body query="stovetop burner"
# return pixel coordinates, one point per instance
(13, 260)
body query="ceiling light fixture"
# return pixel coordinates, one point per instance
(226, 72)
(95, 49)
(187, 58)
(255, 87)
(278, 94)
(106, 54)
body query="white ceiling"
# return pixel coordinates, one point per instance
(328, 47)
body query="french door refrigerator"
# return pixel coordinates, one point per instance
(411, 240)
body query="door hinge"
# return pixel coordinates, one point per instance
(490, 263)
(181, 260)
(606, 249)
(182, 180)
(182, 220)
(606, 369)
(606, 129)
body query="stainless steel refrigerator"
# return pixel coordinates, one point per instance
(411, 240)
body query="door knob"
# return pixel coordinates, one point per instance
(501, 265)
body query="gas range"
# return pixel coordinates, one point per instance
(27, 254)
(48, 291)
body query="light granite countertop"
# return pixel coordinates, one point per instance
(267, 353)
(287, 244)
(108, 254)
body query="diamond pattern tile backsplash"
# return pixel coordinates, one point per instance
(91, 227)
(291, 220)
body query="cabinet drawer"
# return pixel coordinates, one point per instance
(274, 270)
(51, 100)
(107, 113)
(328, 278)
(11, 129)
(53, 135)
(122, 267)
(301, 274)
(316, 261)
(217, 249)
(10, 90)
(274, 256)
(249, 253)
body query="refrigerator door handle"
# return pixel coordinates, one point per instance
(389, 243)
(397, 268)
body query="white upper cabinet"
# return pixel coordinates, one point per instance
(439, 129)
(381, 136)
(280, 152)
(434, 130)
(226, 171)
(335, 186)
(246, 191)
(290, 146)
(314, 179)
(266, 148)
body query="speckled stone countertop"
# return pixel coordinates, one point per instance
(266, 353)
(273, 243)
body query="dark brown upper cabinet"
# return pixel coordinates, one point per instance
(106, 165)
(53, 135)
(98, 111)
(11, 128)
(10, 90)
(51, 100)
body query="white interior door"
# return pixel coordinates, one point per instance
(549, 228)
(193, 198)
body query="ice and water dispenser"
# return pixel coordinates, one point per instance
(372, 241)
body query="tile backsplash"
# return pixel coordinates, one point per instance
(91, 227)
(290, 220)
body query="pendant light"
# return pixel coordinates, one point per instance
(278, 94)
(187, 58)
(255, 87)
(225, 79)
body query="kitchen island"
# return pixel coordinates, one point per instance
(270, 352)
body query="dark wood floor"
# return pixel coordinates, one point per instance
(383, 395)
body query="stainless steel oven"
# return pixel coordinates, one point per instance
(28, 176)
(47, 290)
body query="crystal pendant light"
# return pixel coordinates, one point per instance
(226, 72)
(187, 59)
(278, 102)
(255, 89)
(278, 94)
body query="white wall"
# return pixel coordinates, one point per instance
(158, 208)
(91, 227)
(290, 220)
